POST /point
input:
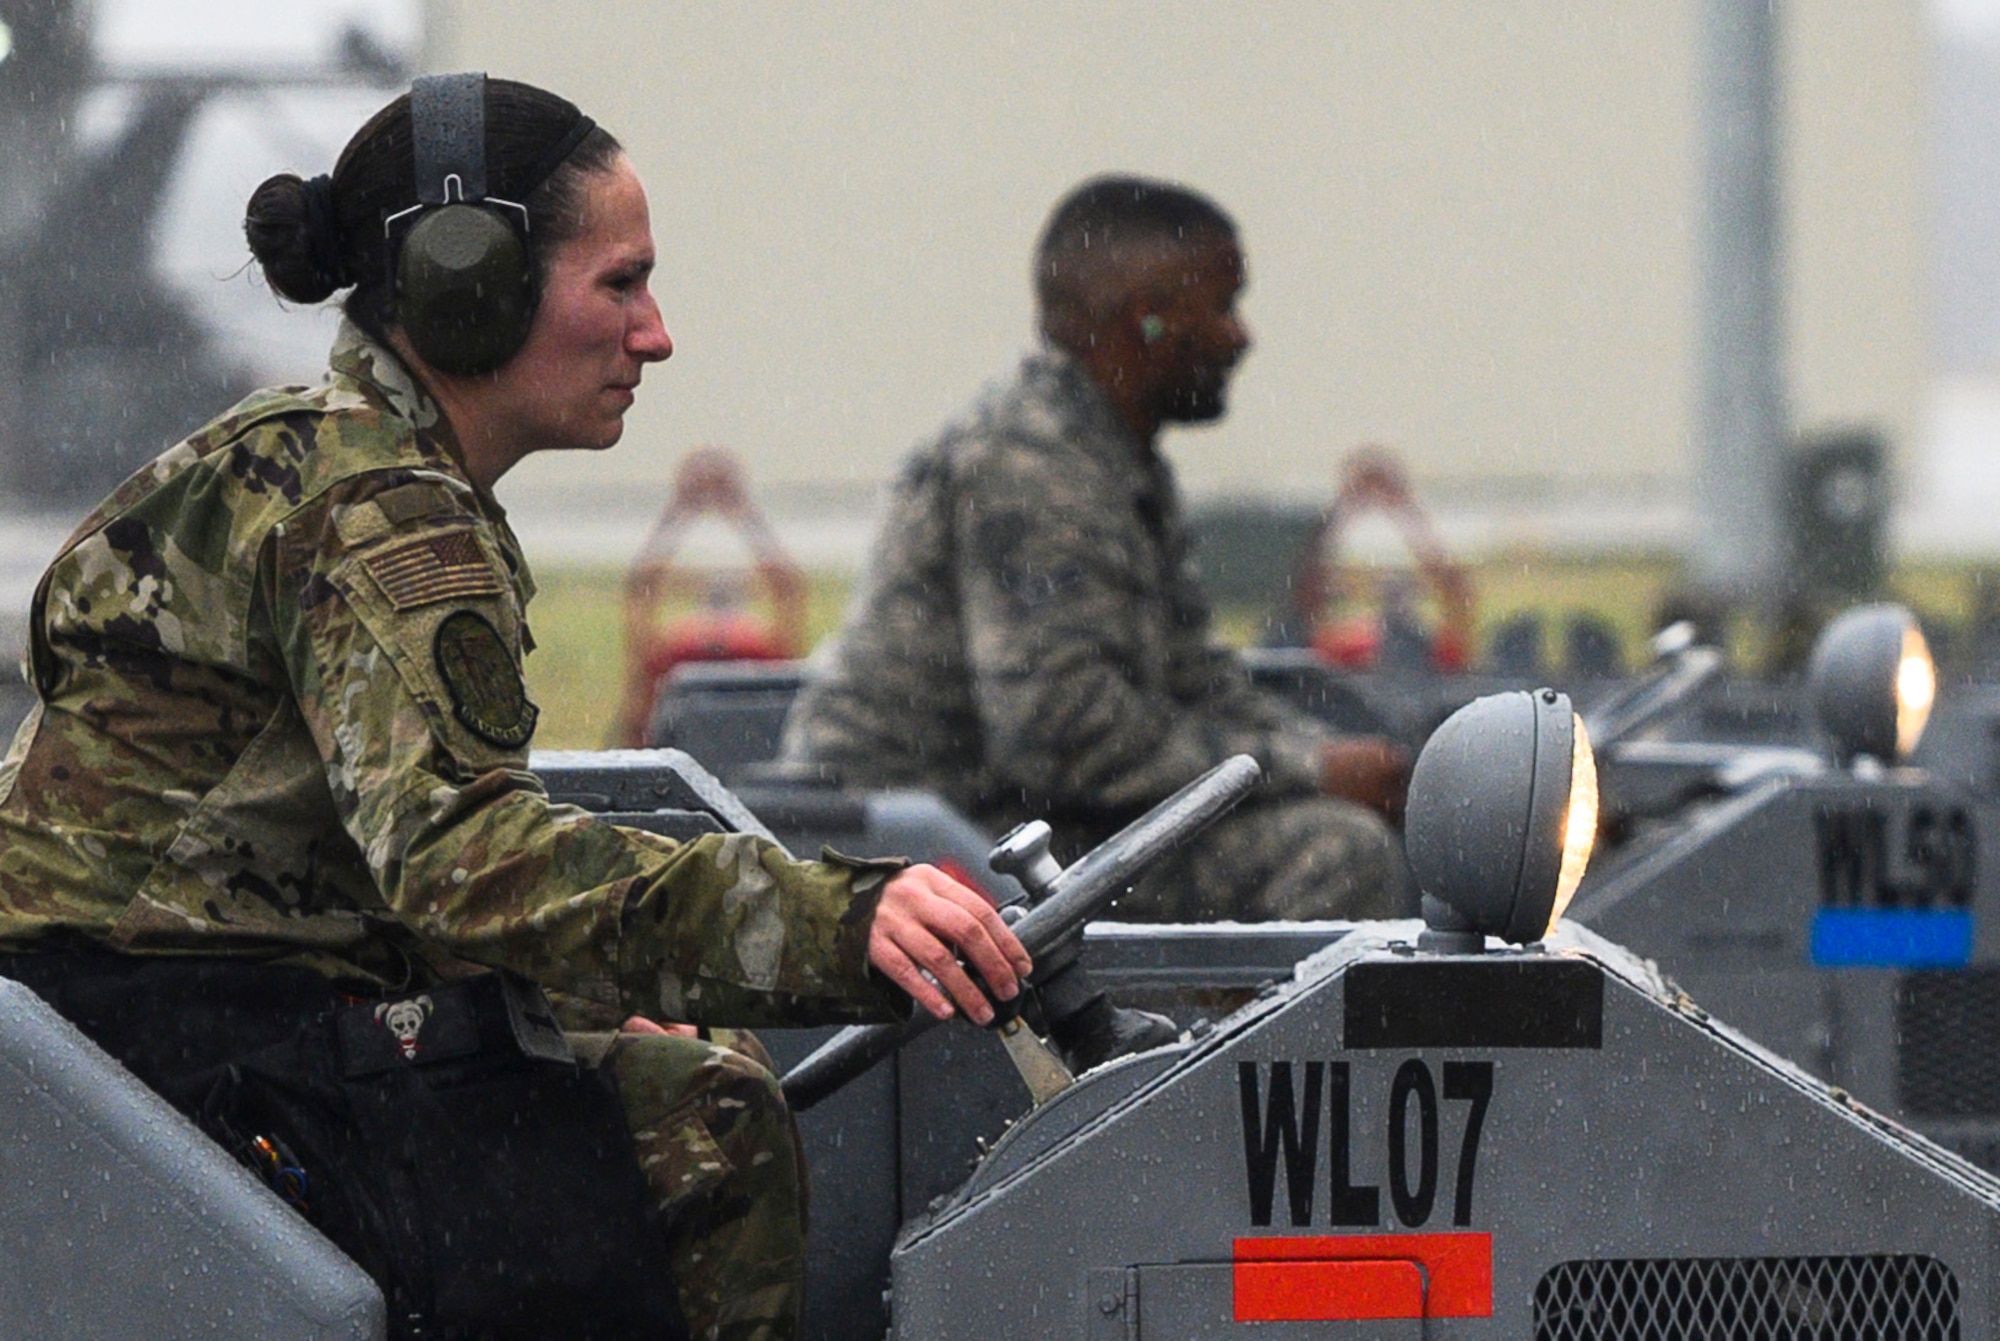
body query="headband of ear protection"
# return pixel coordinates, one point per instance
(465, 286)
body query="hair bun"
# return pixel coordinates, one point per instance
(294, 232)
(323, 232)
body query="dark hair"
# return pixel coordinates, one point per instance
(1084, 261)
(314, 238)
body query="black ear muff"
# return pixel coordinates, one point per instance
(465, 293)
(462, 290)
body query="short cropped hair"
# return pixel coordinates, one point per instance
(1085, 262)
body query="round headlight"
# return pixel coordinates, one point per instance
(1501, 817)
(1872, 683)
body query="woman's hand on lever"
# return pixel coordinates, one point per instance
(928, 928)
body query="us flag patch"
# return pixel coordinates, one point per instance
(435, 568)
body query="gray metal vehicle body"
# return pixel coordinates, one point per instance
(1653, 1158)
(1851, 923)
(1962, 743)
(120, 1218)
(910, 1131)
(1316, 1142)
(1546, 1143)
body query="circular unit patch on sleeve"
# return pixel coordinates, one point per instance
(485, 684)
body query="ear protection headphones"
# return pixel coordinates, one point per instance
(464, 281)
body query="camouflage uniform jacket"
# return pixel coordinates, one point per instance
(1031, 638)
(281, 715)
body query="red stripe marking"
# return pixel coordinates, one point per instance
(1295, 1278)
(1328, 1291)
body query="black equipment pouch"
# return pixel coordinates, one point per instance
(445, 1139)
(492, 1013)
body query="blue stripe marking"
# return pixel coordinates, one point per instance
(1891, 938)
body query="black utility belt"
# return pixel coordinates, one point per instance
(494, 1014)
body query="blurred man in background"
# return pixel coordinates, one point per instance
(1031, 640)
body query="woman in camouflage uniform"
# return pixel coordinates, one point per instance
(272, 808)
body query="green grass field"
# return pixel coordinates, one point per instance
(576, 672)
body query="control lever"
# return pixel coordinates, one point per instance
(1681, 669)
(1040, 1067)
(1078, 1014)
(1024, 854)
(1082, 888)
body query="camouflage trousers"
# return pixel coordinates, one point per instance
(1280, 859)
(718, 1149)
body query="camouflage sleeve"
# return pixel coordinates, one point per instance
(1284, 740)
(1071, 666)
(402, 638)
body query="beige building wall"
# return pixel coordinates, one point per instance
(1471, 225)
(1859, 235)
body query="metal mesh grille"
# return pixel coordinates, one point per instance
(1947, 1064)
(1749, 1299)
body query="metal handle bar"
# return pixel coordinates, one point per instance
(1665, 686)
(1095, 878)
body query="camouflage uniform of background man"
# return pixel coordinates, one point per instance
(1031, 640)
